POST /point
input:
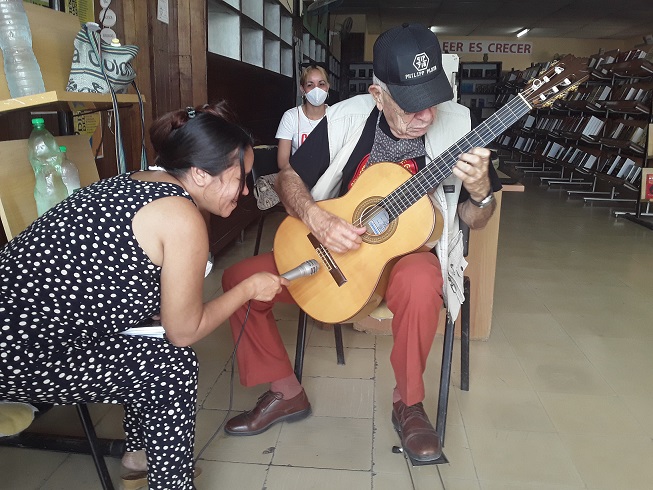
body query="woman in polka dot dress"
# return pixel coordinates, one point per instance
(112, 255)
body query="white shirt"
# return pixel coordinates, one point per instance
(296, 127)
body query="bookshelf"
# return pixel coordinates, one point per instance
(315, 40)
(597, 139)
(359, 78)
(257, 32)
(260, 33)
(477, 87)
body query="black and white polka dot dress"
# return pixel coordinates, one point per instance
(69, 284)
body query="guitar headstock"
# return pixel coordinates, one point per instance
(563, 76)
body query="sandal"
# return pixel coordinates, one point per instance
(133, 480)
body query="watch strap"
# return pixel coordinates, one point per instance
(484, 203)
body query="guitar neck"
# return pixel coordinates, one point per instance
(441, 167)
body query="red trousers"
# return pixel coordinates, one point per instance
(414, 296)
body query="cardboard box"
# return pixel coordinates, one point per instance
(374, 326)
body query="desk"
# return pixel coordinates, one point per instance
(482, 258)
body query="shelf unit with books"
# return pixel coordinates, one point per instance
(359, 78)
(598, 136)
(477, 87)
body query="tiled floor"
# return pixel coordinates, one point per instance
(561, 395)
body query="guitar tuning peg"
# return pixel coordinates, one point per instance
(558, 70)
(565, 82)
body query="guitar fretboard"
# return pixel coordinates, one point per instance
(441, 167)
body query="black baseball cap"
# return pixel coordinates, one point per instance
(408, 59)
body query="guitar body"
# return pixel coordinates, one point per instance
(352, 284)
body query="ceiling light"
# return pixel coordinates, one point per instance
(523, 32)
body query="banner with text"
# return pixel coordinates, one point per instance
(485, 46)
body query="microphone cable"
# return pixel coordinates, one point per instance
(231, 386)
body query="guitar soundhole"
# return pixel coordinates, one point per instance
(375, 219)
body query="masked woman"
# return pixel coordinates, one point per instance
(298, 122)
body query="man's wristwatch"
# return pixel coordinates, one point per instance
(485, 202)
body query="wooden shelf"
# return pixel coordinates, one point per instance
(60, 100)
(633, 68)
(53, 34)
(259, 33)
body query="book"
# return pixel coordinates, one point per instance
(638, 136)
(634, 174)
(648, 187)
(617, 131)
(625, 168)
(593, 126)
(613, 166)
(590, 162)
(603, 92)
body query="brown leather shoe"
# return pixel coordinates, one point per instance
(270, 409)
(418, 437)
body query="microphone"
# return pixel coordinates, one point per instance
(304, 269)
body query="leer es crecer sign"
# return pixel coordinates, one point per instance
(492, 47)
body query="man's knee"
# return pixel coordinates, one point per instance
(419, 272)
(234, 275)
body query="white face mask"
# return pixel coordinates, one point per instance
(316, 96)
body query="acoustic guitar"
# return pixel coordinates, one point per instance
(394, 207)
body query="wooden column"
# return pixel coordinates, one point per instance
(171, 63)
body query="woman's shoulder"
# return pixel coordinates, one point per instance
(293, 112)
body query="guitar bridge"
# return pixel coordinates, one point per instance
(327, 260)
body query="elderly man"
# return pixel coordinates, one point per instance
(408, 118)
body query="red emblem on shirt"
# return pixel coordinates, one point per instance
(410, 165)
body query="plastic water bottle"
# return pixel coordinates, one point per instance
(21, 68)
(69, 172)
(45, 158)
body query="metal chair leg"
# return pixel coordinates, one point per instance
(340, 351)
(301, 344)
(464, 337)
(445, 376)
(259, 233)
(98, 459)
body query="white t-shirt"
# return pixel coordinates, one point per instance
(296, 127)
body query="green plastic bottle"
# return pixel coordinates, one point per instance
(45, 158)
(69, 172)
